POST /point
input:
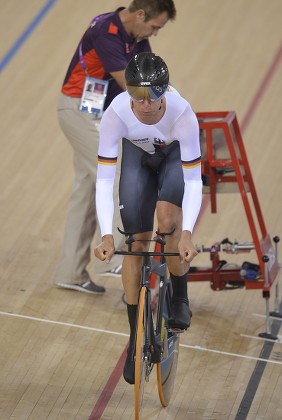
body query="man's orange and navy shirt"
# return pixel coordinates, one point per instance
(105, 47)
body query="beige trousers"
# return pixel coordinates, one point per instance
(82, 131)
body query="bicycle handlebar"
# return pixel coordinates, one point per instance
(160, 239)
(134, 233)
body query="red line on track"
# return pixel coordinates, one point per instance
(109, 388)
(262, 88)
(250, 112)
(117, 372)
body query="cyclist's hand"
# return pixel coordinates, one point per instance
(186, 248)
(106, 249)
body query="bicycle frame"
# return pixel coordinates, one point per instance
(153, 346)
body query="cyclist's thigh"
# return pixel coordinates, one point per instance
(171, 181)
(137, 190)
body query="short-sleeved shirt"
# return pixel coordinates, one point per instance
(105, 47)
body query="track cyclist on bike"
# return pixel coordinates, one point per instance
(160, 174)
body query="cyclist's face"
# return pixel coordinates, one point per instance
(151, 27)
(147, 111)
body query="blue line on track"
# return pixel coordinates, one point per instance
(20, 41)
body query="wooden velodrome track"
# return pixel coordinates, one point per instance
(62, 352)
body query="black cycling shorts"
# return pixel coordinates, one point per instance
(140, 186)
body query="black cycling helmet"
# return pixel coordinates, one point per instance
(146, 75)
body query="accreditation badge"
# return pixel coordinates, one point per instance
(94, 96)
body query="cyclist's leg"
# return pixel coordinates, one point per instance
(169, 205)
(169, 216)
(129, 366)
(131, 269)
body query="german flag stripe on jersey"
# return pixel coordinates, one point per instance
(190, 164)
(107, 161)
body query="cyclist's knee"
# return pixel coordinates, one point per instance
(170, 221)
(167, 225)
(142, 244)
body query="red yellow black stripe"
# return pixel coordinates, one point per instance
(190, 164)
(107, 160)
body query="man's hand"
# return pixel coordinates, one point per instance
(106, 249)
(186, 248)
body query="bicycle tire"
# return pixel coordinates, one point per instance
(139, 357)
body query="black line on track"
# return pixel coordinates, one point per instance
(255, 379)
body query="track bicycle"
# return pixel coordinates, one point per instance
(155, 343)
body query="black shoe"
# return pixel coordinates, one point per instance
(129, 367)
(180, 314)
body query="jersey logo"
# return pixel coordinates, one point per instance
(159, 142)
(113, 29)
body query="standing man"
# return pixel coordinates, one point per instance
(102, 54)
(160, 174)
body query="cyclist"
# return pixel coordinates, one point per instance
(160, 172)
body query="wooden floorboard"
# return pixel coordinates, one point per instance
(60, 351)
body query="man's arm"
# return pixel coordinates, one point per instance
(187, 131)
(119, 77)
(111, 131)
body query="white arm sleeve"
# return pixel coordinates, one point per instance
(186, 129)
(191, 204)
(112, 129)
(105, 205)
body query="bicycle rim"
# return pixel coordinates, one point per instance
(166, 369)
(139, 358)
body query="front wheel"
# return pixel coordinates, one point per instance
(139, 358)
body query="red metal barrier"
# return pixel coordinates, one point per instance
(225, 168)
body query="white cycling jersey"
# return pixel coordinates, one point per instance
(179, 122)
